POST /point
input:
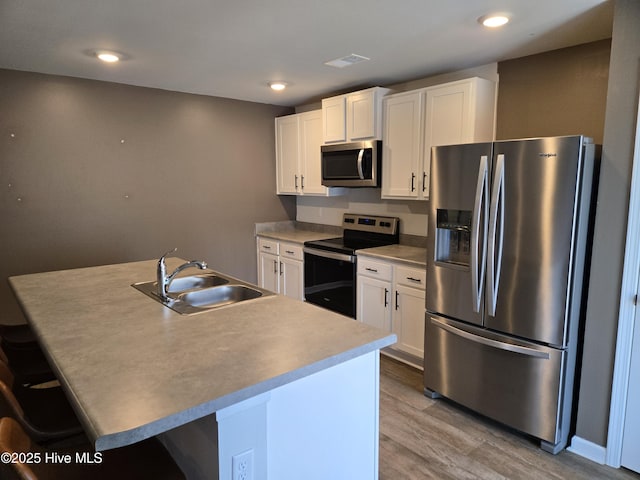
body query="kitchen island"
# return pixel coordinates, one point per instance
(278, 386)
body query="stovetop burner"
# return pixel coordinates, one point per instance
(361, 231)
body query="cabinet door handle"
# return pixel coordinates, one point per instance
(371, 270)
(413, 182)
(419, 280)
(302, 182)
(424, 182)
(295, 181)
(281, 269)
(397, 304)
(275, 266)
(386, 297)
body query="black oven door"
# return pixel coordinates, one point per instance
(330, 280)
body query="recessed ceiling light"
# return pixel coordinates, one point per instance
(494, 20)
(108, 57)
(278, 86)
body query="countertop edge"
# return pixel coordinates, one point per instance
(371, 253)
(121, 439)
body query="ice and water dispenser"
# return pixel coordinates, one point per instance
(453, 237)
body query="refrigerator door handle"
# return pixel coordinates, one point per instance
(477, 257)
(521, 349)
(496, 235)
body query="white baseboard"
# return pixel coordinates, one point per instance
(585, 448)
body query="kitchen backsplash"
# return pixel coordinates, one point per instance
(265, 227)
(329, 210)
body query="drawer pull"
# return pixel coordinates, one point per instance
(374, 270)
(419, 280)
(266, 247)
(290, 252)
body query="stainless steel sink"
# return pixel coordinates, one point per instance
(182, 284)
(218, 296)
(202, 293)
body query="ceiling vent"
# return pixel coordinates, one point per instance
(346, 61)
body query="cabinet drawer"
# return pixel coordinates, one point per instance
(411, 277)
(291, 250)
(374, 269)
(267, 245)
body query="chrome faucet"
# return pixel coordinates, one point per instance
(164, 280)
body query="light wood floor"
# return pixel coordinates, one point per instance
(422, 438)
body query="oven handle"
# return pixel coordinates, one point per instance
(332, 255)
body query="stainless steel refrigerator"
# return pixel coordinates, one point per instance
(509, 229)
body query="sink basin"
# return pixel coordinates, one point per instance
(182, 284)
(218, 296)
(201, 293)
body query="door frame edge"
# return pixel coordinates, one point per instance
(626, 318)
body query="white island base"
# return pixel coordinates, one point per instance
(322, 426)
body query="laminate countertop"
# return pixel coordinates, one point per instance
(297, 235)
(412, 256)
(133, 368)
(408, 254)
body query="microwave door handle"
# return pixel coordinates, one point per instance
(360, 159)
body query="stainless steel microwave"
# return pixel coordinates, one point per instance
(356, 164)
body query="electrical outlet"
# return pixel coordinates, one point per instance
(242, 465)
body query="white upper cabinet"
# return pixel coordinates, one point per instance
(287, 154)
(354, 116)
(310, 132)
(401, 148)
(334, 114)
(298, 168)
(448, 114)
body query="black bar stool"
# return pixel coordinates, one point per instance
(44, 413)
(143, 460)
(18, 334)
(24, 356)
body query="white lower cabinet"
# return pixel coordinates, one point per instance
(281, 267)
(392, 297)
(268, 272)
(373, 304)
(291, 277)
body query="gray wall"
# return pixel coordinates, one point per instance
(95, 173)
(562, 92)
(611, 226)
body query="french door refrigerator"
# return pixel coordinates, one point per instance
(509, 229)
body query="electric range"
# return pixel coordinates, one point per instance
(330, 265)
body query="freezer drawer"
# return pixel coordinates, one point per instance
(516, 383)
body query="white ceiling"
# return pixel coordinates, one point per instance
(234, 48)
